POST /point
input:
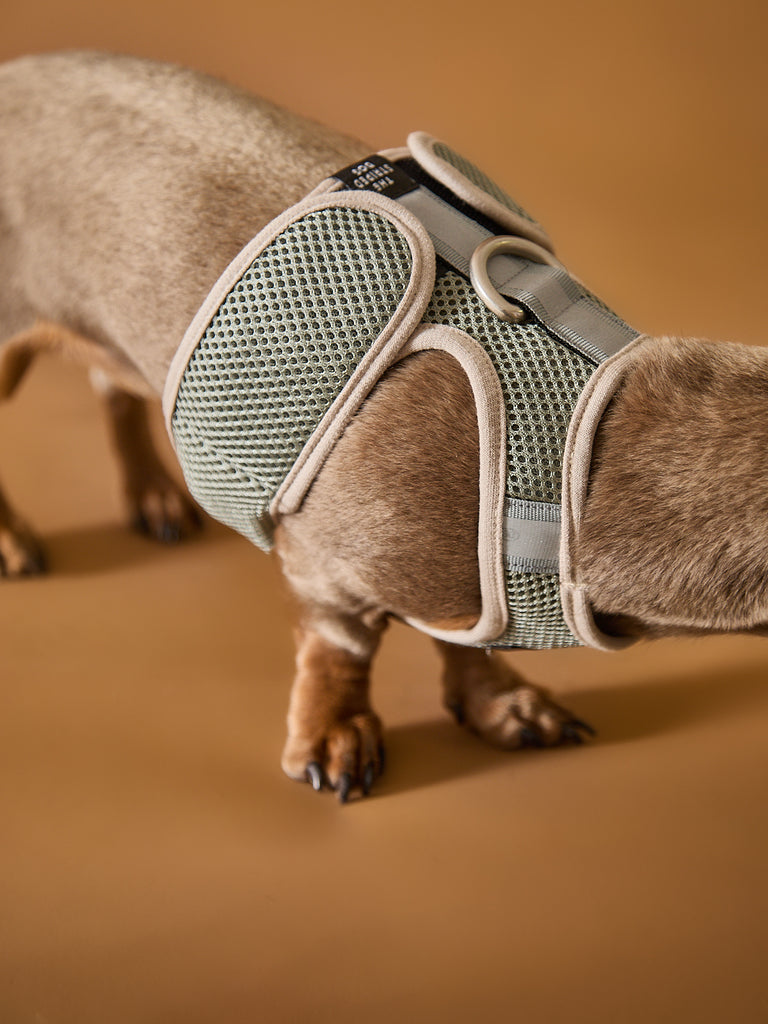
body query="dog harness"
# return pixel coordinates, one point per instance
(407, 251)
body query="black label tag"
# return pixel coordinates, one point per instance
(377, 174)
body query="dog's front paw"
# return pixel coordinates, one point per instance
(163, 511)
(345, 755)
(20, 552)
(485, 693)
(521, 716)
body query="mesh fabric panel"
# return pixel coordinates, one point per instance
(476, 176)
(535, 613)
(278, 352)
(541, 380)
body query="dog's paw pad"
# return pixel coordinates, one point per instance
(164, 513)
(348, 756)
(20, 553)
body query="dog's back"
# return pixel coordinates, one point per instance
(125, 188)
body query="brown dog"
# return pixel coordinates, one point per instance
(126, 187)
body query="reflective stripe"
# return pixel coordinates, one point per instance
(551, 294)
(531, 536)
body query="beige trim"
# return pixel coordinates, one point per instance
(600, 389)
(418, 240)
(397, 153)
(422, 148)
(492, 427)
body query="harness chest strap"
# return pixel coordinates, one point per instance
(577, 459)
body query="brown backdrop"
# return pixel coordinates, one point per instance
(155, 866)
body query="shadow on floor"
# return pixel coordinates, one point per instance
(426, 753)
(88, 550)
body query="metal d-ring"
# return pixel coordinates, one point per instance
(485, 288)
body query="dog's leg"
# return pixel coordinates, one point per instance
(486, 694)
(334, 736)
(157, 505)
(21, 554)
(20, 551)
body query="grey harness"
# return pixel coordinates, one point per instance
(398, 254)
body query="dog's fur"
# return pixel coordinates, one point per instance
(126, 187)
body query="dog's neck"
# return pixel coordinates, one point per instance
(675, 532)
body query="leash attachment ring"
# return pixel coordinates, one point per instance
(510, 245)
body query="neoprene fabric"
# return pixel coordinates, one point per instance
(155, 865)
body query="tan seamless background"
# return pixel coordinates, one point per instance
(155, 866)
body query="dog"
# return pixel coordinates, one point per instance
(126, 188)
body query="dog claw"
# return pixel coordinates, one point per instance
(37, 564)
(369, 774)
(572, 734)
(314, 775)
(139, 523)
(35, 567)
(457, 710)
(23, 556)
(170, 533)
(530, 738)
(584, 726)
(344, 787)
(166, 528)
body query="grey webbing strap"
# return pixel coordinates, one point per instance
(531, 536)
(553, 296)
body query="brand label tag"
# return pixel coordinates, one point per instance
(377, 174)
